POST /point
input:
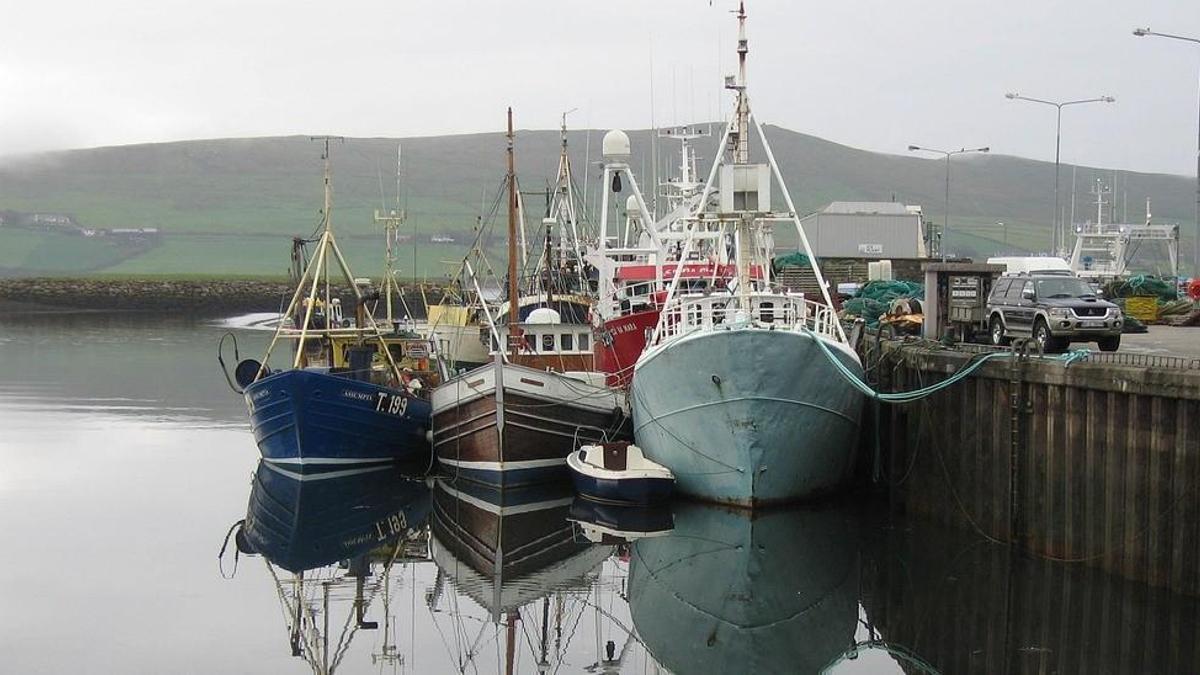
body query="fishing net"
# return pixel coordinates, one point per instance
(875, 298)
(886, 291)
(1141, 286)
(792, 260)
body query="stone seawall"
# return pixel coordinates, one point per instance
(194, 296)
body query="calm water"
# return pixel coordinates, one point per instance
(124, 460)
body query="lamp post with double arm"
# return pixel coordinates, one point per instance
(1058, 238)
(946, 218)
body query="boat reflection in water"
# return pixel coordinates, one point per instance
(514, 554)
(616, 524)
(729, 593)
(339, 535)
(504, 548)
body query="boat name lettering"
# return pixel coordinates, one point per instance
(391, 526)
(392, 404)
(356, 395)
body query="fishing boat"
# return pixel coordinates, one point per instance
(636, 260)
(514, 421)
(736, 392)
(619, 472)
(355, 392)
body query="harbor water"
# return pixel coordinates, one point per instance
(125, 459)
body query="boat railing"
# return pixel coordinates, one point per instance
(790, 311)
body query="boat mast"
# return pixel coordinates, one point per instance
(328, 212)
(513, 299)
(744, 238)
(392, 219)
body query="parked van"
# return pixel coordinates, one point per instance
(1033, 264)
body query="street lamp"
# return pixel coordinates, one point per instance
(1058, 233)
(1143, 32)
(948, 154)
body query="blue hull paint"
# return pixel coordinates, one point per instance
(310, 420)
(623, 490)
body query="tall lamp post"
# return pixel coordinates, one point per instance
(948, 154)
(1143, 32)
(1058, 238)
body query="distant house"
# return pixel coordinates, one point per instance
(866, 230)
(50, 219)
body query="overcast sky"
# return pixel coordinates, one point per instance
(873, 74)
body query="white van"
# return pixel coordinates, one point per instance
(1034, 264)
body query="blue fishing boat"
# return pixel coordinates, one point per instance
(356, 391)
(618, 472)
(314, 420)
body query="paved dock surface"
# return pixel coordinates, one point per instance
(1164, 341)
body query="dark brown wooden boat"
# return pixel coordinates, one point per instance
(515, 421)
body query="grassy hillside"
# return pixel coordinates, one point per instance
(230, 207)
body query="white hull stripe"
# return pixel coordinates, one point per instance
(506, 510)
(307, 477)
(329, 460)
(505, 466)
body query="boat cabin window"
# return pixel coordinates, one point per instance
(584, 342)
(568, 342)
(766, 312)
(530, 342)
(547, 343)
(397, 351)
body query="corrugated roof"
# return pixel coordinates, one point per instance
(877, 208)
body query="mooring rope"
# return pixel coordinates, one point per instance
(923, 392)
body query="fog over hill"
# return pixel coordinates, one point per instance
(230, 206)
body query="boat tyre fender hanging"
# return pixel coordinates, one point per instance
(246, 372)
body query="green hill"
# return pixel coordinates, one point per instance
(230, 206)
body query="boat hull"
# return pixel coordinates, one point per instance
(619, 344)
(519, 433)
(623, 490)
(310, 421)
(748, 417)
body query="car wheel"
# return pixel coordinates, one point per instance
(1110, 344)
(1041, 333)
(997, 330)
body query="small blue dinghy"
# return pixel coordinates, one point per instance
(619, 473)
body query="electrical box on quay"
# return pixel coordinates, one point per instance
(956, 296)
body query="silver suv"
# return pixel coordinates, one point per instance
(1055, 310)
